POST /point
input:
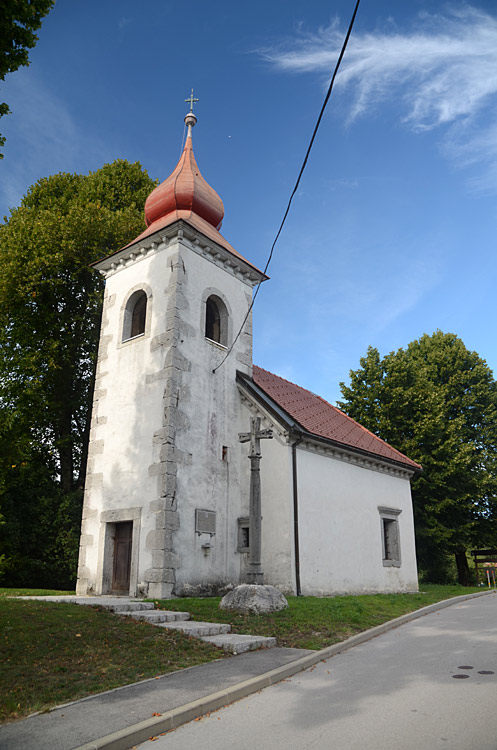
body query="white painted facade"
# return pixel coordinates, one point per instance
(341, 499)
(164, 437)
(166, 464)
(341, 534)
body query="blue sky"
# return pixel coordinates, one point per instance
(393, 231)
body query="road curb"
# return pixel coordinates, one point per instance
(124, 739)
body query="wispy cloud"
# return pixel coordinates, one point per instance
(445, 67)
(442, 71)
(473, 144)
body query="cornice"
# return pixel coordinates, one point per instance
(189, 237)
(350, 457)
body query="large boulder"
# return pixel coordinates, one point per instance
(253, 599)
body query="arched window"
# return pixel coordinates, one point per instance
(135, 315)
(216, 320)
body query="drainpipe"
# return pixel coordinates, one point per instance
(296, 514)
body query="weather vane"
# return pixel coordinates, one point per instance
(191, 101)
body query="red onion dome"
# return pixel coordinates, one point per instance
(185, 190)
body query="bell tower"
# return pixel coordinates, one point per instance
(165, 472)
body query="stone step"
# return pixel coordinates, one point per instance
(112, 603)
(156, 616)
(218, 634)
(196, 629)
(236, 643)
(120, 607)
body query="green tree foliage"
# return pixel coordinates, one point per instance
(50, 307)
(436, 402)
(19, 20)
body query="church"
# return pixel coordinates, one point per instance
(167, 495)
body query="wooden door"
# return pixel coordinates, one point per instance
(123, 541)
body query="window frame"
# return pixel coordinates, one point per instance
(213, 299)
(134, 297)
(390, 537)
(243, 526)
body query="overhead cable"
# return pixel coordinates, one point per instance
(304, 163)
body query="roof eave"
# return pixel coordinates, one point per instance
(293, 426)
(140, 246)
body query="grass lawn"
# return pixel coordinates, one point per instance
(54, 653)
(34, 592)
(311, 622)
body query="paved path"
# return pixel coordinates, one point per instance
(87, 720)
(395, 692)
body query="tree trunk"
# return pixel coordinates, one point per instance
(463, 573)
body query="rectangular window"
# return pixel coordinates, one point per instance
(390, 536)
(243, 535)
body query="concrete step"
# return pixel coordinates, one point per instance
(196, 629)
(236, 643)
(112, 603)
(119, 607)
(218, 634)
(156, 616)
(108, 602)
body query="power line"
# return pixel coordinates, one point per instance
(304, 163)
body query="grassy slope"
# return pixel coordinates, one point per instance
(311, 622)
(53, 653)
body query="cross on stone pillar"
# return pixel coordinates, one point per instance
(255, 573)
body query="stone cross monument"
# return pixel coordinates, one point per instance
(255, 573)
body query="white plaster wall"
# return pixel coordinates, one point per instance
(340, 527)
(128, 411)
(210, 406)
(129, 469)
(340, 530)
(277, 511)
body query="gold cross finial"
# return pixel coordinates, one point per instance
(191, 101)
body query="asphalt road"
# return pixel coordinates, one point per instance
(398, 691)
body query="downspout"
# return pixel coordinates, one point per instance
(296, 515)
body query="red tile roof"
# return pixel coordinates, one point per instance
(322, 419)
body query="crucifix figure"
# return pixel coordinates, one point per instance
(255, 573)
(191, 100)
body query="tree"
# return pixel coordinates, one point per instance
(436, 401)
(50, 307)
(20, 19)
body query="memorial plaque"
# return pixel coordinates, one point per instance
(205, 521)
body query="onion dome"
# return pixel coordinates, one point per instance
(185, 190)
(185, 197)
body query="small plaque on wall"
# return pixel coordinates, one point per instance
(205, 521)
